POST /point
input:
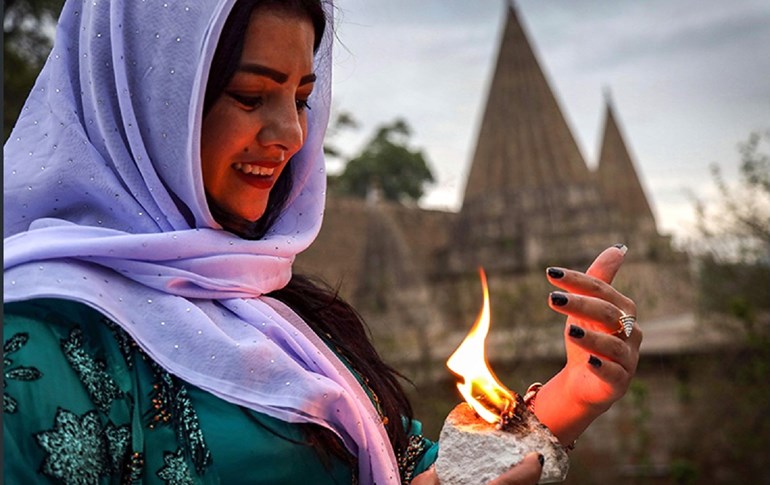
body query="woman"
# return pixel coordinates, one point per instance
(165, 171)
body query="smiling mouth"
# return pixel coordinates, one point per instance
(257, 170)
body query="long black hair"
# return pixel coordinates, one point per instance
(317, 303)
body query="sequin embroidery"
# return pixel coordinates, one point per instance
(171, 404)
(175, 470)
(98, 383)
(408, 459)
(126, 344)
(19, 373)
(80, 449)
(133, 469)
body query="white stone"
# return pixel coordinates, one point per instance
(472, 451)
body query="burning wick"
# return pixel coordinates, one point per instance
(493, 429)
(481, 389)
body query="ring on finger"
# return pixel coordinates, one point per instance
(626, 323)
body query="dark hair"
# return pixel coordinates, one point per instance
(342, 327)
(320, 306)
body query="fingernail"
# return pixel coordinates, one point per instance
(594, 361)
(558, 299)
(622, 247)
(541, 459)
(576, 332)
(555, 273)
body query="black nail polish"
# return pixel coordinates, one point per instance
(541, 459)
(594, 361)
(576, 332)
(558, 299)
(555, 273)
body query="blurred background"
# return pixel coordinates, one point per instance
(516, 136)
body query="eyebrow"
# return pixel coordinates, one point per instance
(276, 76)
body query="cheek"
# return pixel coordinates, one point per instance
(222, 136)
(209, 153)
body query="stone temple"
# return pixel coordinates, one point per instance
(530, 201)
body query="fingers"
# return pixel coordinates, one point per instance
(616, 377)
(606, 265)
(608, 348)
(583, 284)
(588, 308)
(527, 472)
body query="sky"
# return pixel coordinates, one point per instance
(689, 80)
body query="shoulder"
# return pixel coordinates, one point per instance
(48, 310)
(63, 376)
(56, 351)
(54, 326)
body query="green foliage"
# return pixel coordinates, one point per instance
(684, 471)
(733, 254)
(386, 164)
(734, 249)
(25, 48)
(342, 121)
(639, 396)
(736, 226)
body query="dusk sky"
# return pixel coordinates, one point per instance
(689, 79)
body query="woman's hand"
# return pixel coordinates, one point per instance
(527, 472)
(601, 360)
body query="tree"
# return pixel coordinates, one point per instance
(25, 48)
(387, 164)
(733, 255)
(342, 121)
(733, 247)
(736, 226)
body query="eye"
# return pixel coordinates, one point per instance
(249, 102)
(302, 105)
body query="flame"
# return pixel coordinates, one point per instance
(480, 387)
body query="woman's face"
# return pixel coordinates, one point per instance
(260, 121)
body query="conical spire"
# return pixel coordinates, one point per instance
(524, 141)
(617, 177)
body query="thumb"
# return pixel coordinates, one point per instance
(607, 264)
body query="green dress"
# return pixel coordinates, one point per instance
(83, 405)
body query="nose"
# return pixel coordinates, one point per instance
(282, 127)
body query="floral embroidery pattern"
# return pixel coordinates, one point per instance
(20, 373)
(118, 439)
(172, 405)
(80, 449)
(175, 470)
(126, 344)
(100, 386)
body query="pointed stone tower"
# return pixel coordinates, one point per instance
(524, 141)
(618, 180)
(529, 194)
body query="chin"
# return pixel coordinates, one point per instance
(237, 214)
(251, 217)
(247, 212)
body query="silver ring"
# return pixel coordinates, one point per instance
(626, 324)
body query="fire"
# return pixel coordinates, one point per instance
(480, 387)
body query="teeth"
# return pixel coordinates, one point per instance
(254, 169)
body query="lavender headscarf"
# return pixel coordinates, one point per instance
(104, 204)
